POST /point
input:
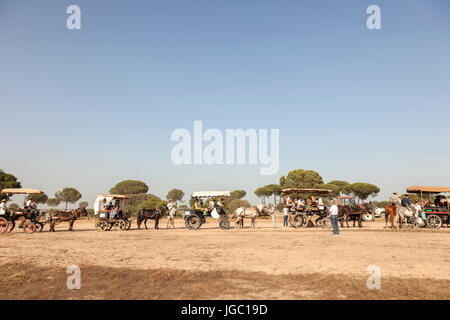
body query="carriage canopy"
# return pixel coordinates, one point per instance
(109, 197)
(21, 191)
(311, 191)
(210, 194)
(427, 189)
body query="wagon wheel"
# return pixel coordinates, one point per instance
(4, 225)
(101, 226)
(434, 221)
(128, 225)
(224, 224)
(121, 225)
(109, 225)
(29, 227)
(193, 222)
(297, 220)
(39, 226)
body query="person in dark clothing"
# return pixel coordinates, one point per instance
(437, 201)
(405, 201)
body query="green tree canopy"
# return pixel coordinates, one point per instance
(335, 190)
(175, 195)
(362, 190)
(340, 185)
(83, 204)
(301, 179)
(39, 198)
(7, 180)
(263, 192)
(129, 187)
(151, 203)
(53, 202)
(236, 203)
(237, 194)
(68, 195)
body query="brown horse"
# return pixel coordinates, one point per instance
(66, 216)
(390, 211)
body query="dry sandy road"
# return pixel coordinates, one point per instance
(410, 253)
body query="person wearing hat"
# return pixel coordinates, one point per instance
(395, 200)
(437, 201)
(3, 207)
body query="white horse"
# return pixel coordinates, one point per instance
(252, 213)
(404, 213)
(171, 218)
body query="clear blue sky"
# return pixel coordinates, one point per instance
(88, 108)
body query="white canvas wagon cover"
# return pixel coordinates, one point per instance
(209, 194)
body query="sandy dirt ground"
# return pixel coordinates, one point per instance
(418, 259)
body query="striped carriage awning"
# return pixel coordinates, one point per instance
(427, 189)
(21, 191)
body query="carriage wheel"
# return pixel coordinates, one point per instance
(224, 224)
(193, 222)
(128, 225)
(109, 225)
(297, 220)
(121, 224)
(4, 225)
(434, 221)
(39, 226)
(101, 226)
(29, 227)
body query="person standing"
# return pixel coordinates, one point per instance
(272, 214)
(334, 211)
(285, 211)
(395, 200)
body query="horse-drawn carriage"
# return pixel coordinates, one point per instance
(113, 217)
(29, 216)
(435, 215)
(309, 214)
(195, 218)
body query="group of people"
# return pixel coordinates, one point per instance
(396, 200)
(113, 209)
(198, 205)
(298, 204)
(28, 205)
(312, 204)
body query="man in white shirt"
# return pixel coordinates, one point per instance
(28, 204)
(334, 211)
(320, 201)
(272, 214)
